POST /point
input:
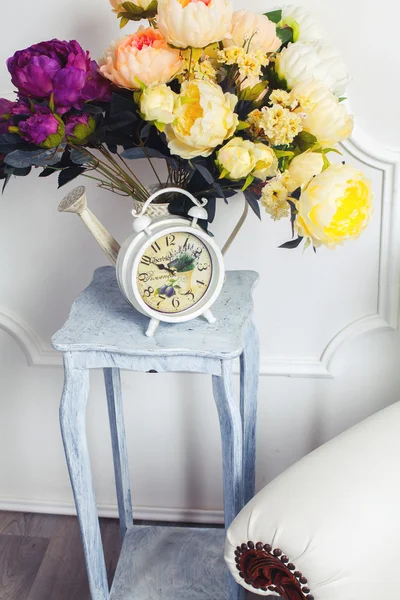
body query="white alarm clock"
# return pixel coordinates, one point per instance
(169, 268)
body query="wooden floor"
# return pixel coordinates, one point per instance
(41, 557)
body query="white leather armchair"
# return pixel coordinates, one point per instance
(328, 528)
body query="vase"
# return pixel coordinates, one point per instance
(154, 210)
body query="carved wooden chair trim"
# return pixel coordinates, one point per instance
(268, 569)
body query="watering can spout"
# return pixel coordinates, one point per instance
(76, 202)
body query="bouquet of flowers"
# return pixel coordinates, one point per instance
(217, 101)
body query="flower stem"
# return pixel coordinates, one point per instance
(149, 159)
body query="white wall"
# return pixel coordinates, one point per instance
(310, 310)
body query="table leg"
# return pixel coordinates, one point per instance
(118, 439)
(232, 454)
(249, 370)
(73, 430)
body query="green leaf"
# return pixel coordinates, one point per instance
(326, 164)
(51, 102)
(253, 201)
(124, 21)
(132, 8)
(38, 158)
(274, 15)
(292, 244)
(290, 22)
(252, 94)
(242, 125)
(280, 153)
(69, 174)
(249, 181)
(342, 98)
(306, 140)
(132, 12)
(327, 150)
(285, 34)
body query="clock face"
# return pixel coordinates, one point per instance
(174, 272)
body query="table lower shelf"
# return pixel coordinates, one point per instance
(171, 563)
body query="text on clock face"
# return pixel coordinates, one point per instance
(174, 272)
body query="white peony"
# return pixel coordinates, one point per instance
(302, 169)
(300, 62)
(309, 31)
(194, 23)
(324, 116)
(253, 31)
(157, 104)
(204, 119)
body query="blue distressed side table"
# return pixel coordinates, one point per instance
(104, 332)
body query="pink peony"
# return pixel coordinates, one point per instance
(141, 58)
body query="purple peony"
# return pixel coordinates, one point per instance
(21, 107)
(63, 69)
(42, 128)
(5, 108)
(79, 127)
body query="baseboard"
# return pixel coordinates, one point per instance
(142, 513)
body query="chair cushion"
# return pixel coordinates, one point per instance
(334, 517)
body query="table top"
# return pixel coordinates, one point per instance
(102, 320)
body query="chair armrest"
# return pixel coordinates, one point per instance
(328, 528)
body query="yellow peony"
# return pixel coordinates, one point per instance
(266, 163)
(204, 119)
(143, 58)
(195, 23)
(336, 206)
(325, 116)
(239, 158)
(302, 169)
(253, 31)
(236, 159)
(157, 104)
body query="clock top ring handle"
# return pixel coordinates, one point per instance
(142, 221)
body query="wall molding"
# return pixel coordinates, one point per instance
(140, 513)
(367, 151)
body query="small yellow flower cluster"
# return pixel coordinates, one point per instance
(200, 66)
(274, 199)
(277, 123)
(231, 55)
(205, 69)
(280, 97)
(248, 63)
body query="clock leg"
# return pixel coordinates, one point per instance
(207, 314)
(152, 328)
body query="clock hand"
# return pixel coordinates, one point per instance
(164, 268)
